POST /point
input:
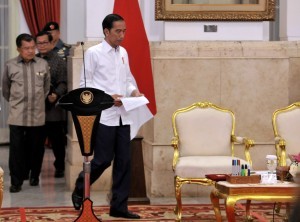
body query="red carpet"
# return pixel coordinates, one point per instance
(163, 213)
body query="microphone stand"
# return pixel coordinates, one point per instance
(86, 162)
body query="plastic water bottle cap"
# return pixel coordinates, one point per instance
(271, 157)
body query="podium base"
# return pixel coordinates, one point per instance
(87, 212)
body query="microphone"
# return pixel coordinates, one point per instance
(82, 43)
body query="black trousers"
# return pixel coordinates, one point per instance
(56, 134)
(112, 143)
(25, 151)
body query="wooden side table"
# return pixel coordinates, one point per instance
(280, 192)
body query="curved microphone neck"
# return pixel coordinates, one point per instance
(82, 43)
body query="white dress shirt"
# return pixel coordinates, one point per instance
(107, 69)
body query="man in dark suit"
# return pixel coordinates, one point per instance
(55, 115)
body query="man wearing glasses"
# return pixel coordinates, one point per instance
(55, 115)
(25, 85)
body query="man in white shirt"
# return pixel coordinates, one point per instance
(107, 68)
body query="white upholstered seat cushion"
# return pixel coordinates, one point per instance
(199, 166)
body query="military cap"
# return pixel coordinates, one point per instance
(51, 26)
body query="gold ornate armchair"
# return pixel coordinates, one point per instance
(286, 126)
(203, 144)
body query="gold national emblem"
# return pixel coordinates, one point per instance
(86, 97)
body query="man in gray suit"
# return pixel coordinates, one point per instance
(25, 85)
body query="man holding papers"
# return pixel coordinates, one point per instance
(131, 103)
(107, 68)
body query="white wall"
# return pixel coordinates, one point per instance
(289, 20)
(23, 25)
(95, 12)
(233, 31)
(72, 21)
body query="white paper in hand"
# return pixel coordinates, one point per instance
(131, 103)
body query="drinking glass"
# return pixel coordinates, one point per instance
(271, 163)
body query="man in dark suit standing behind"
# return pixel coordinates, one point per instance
(55, 115)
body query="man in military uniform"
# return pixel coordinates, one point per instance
(61, 48)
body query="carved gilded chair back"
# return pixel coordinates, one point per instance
(204, 129)
(286, 127)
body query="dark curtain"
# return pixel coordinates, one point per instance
(38, 12)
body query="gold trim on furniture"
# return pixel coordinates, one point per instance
(178, 182)
(263, 11)
(280, 143)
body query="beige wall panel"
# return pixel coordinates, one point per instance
(162, 158)
(179, 83)
(294, 80)
(253, 89)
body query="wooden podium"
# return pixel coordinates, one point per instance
(86, 105)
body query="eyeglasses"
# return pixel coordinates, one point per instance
(42, 43)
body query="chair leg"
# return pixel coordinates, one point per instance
(249, 218)
(178, 207)
(287, 213)
(214, 198)
(277, 208)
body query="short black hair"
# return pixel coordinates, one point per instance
(109, 20)
(23, 37)
(41, 33)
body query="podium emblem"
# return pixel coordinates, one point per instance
(86, 97)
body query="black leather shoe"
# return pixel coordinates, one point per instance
(34, 181)
(126, 214)
(59, 174)
(77, 199)
(15, 189)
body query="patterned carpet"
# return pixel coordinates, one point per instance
(190, 213)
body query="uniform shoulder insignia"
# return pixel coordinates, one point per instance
(67, 45)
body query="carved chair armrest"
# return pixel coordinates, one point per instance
(175, 142)
(248, 144)
(280, 150)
